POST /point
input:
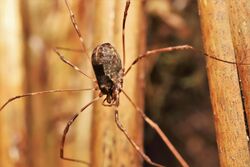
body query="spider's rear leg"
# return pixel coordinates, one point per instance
(66, 129)
(136, 147)
(160, 132)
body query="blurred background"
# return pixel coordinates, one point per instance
(177, 94)
(176, 89)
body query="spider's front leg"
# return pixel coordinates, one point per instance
(158, 51)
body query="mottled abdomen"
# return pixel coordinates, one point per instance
(107, 66)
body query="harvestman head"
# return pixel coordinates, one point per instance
(110, 71)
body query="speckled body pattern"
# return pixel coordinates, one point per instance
(107, 66)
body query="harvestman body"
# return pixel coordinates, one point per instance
(109, 72)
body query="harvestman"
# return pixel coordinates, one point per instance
(109, 72)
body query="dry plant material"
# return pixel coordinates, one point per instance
(227, 83)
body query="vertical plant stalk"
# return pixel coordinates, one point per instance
(38, 110)
(239, 18)
(80, 147)
(48, 114)
(109, 145)
(224, 84)
(133, 82)
(12, 126)
(103, 136)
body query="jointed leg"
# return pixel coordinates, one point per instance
(160, 133)
(137, 148)
(225, 61)
(66, 131)
(123, 33)
(175, 48)
(41, 92)
(73, 20)
(72, 65)
(69, 49)
(157, 51)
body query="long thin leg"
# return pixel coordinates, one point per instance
(157, 51)
(123, 32)
(66, 131)
(73, 20)
(137, 148)
(160, 133)
(174, 48)
(41, 92)
(225, 61)
(72, 65)
(69, 49)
